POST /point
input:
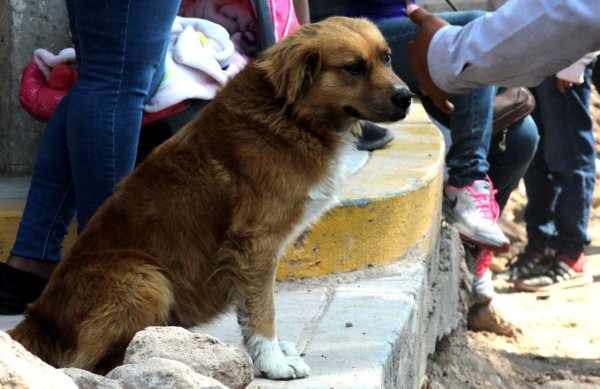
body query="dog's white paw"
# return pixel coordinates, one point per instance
(275, 362)
(288, 349)
(283, 368)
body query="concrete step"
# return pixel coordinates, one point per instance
(372, 286)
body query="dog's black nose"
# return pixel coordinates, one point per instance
(402, 97)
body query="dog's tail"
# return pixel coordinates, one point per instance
(35, 337)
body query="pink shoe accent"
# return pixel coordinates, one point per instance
(575, 264)
(483, 262)
(486, 203)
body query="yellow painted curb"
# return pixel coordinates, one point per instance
(11, 211)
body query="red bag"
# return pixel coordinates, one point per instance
(39, 99)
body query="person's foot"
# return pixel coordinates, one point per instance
(21, 283)
(373, 137)
(482, 287)
(526, 264)
(474, 212)
(561, 273)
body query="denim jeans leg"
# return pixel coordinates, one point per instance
(542, 194)
(91, 140)
(470, 123)
(510, 155)
(565, 168)
(50, 205)
(121, 50)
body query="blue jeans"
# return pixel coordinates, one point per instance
(470, 123)
(91, 140)
(560, 181)
(510, 155)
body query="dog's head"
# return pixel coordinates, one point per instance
(340, 67)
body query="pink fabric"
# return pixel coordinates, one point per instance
(283, 16)
(239, 18)
(483, 261)
(36, 96)
(62, 77)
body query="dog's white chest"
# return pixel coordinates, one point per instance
(324, 194)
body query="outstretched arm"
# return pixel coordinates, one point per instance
(520, 44)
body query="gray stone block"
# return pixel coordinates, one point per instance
(25, 25)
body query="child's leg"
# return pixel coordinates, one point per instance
(568, 151)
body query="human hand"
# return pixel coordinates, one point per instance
(563, 85)
(417, 56)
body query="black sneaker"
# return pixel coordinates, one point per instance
(527, 264)
(373, 137)
(17, 289)
(562, 273)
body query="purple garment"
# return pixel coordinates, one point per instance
(377, 9)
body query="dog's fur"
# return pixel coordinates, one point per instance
(200, 224)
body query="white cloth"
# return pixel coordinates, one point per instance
(520, 44)
(200, 59)
(46, 60)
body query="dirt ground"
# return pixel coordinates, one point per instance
(528, 340)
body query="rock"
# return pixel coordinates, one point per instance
(159, 373)
(488, 318)
(19, 369)
(86, 380)
(204, 354)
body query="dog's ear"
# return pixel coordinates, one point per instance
(290, 65)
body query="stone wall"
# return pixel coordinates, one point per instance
(25, 25)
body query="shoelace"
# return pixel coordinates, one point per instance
(486, 202)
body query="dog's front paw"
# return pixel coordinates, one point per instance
(276, 360)
(282, 368)
(288, 349)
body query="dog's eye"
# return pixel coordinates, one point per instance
(356, 69)
(387, 59)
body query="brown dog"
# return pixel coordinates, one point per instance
(200, 224)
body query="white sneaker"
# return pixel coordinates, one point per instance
(474, 212)
(482, 289)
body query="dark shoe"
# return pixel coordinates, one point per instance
(563, 272)
(527, 264)
(17, 289)
(373, 137)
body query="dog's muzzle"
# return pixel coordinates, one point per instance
(402, 98)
